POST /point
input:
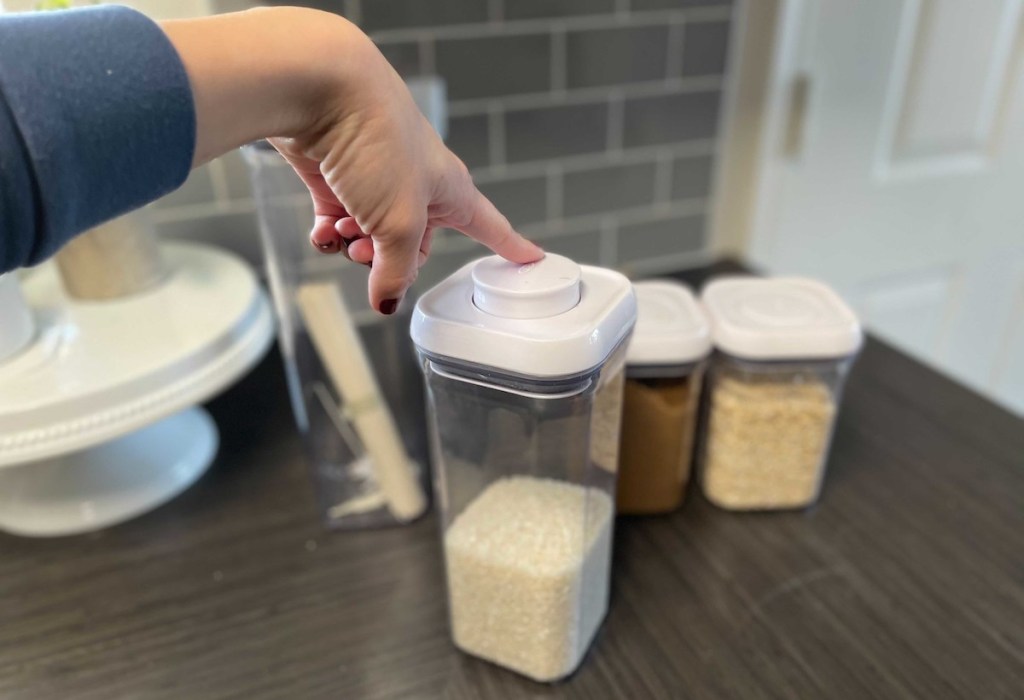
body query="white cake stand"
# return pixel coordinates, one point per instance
(98, 422)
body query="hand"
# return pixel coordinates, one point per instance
(382, 181)
(380, 177)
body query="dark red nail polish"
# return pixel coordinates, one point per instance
(349, 241)
(329, 247)
(388, 306)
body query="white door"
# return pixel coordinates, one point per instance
(891, 164)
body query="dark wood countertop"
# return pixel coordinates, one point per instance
(906, 581)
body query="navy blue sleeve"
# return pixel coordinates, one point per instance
(96, 119)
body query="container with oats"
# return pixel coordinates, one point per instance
(523, 367)
(664, 370)
(784, 347)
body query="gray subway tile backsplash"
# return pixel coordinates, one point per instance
(530, 9)
(691, 177)
(493, 66)
(553, 132)
(582, 246)
(403, 56)
(705, 45)
(518, 96)
(443, 263)
(608, 188)
(616, 56)
(671, 4)
(659, 238)
(522, 200)
(398, 14)
(650, 121)
(469, 139)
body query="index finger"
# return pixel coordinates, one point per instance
(488, 226)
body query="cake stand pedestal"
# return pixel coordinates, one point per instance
(98, 417)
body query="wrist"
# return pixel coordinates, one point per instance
(316, 61)
(264, 72)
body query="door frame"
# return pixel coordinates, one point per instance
(756, 106)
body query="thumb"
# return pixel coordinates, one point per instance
(396, 254)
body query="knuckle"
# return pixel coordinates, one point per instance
(401, 280)
(397, 225)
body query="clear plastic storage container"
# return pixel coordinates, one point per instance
(355, 388)
(524, 374)
(664, 371)
(785, 346)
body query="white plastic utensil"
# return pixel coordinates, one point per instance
(334, 335)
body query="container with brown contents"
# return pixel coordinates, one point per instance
(784, 347)
(664, 370)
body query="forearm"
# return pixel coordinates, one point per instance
(267, 72)
(96, 119)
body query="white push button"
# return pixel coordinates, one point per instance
(536, 290)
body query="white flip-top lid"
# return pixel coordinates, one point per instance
(552, 318)
(671, 326)
(780, 318)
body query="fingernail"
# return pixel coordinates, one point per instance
(388, 306)
(349, 241)
(329, 247)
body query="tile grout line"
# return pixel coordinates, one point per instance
(559, 61)
(616, 123)
(608, 242)
(555, 191)
(577, 224)
(540, 26)
(666, 263)
(496, 135)
(632, 215)
(354, 11)
(598, 159)
(541, 100)
(708, 14)
(663, 178)
(496, 10)
(427, 56)
(674, 55)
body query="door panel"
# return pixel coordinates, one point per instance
(910, 310)
(1008, 369)
(906, 189)
(949, 80)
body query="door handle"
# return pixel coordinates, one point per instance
(793, 136)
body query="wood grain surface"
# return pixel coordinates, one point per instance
(906, 581)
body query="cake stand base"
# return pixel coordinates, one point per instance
(109, 483)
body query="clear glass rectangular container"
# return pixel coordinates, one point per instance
(524, 368)
(784, 346)
(346, 481)
(665, 366)
(769, 427)
(526, 485)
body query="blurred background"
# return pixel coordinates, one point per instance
(876, 145)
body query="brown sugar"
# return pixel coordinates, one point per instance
(659, 418)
